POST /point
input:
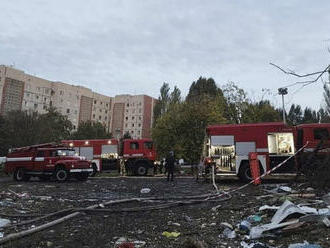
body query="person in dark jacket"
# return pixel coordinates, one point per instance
(170, 165)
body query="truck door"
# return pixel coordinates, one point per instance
(39, 161)
(148, 150)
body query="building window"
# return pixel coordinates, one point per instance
(105, 118)
(140, 118)
(126, 118)
(68, 111)
(95, 101)
(106, 111)
(61, 92)
(132, 117)
(126, 125)
(94, 116)
(139, 124)
(127, 104)
(107, 104)
(132, 124)
(101, 110)
(101, 103)
(100, 117)
(37, 97)
(35, 106)
(45, 99)
(140, 110)
(44, 107)
(74, 127)
(76, 112)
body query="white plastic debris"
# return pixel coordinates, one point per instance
(4, 222)
(229, 234)
(285, 189)
(304, 245)
(267, 207)
(145, 190)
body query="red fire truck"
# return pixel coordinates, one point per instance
(46, 161)
(228, 146)
(139, 154)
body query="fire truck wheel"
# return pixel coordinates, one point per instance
(93, 173)
(244, 172)
(61, 175)
(141, 170)
(19, 175)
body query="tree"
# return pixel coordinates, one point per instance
(323, 116)
(203, 87)
(91, 130)
(162, 102)
(182, 128)
(310, 116)
(175, 96)
(236, 102)
(326, 96)
(22, 128)
(295, 115)
(54, 126)
(261, 111)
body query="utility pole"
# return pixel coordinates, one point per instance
(283, 91)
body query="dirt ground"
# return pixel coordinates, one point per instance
(102, 229)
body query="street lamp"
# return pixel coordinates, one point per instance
(283, 91)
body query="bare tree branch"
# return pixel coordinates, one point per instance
(295, 74)
(304, 83)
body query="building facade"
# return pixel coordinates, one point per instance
(119, 114)
(132, 114)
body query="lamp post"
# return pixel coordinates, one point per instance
(283, 91)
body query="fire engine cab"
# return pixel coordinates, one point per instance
(228, 146)
(46, 161)
(139, 154)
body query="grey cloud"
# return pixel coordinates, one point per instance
(117, 47)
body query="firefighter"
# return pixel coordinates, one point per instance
(122, 167)
(170, 165)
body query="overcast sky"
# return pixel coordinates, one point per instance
(119, 47)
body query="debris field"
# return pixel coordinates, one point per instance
(151, 212)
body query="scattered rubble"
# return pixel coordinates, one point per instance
(253, 218)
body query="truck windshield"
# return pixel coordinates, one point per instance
(65, 153)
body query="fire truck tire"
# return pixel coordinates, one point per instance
(93, 173)
(141, 170)
(19, 175)
(61, 174)
(245, 173)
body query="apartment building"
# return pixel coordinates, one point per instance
(132, 114)
(119, 114)
(21, 91)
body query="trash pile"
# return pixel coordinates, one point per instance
(285, 218)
